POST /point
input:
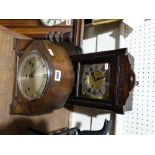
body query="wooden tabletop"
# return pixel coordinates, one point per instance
(15, 124)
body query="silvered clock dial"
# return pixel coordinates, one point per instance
(33, 76)
(95, 81)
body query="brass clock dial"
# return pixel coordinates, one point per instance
(94, 81)
(33, 76)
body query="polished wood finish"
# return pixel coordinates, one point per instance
(40, 31)
(57, 92)
(35, 29)
(78, 32)
(25, 22)
(122, 80)
(20, 22)
(17, 124)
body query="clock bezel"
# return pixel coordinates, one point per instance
(29, 106)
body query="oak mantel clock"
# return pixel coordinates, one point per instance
(44, 78)
(103, 80)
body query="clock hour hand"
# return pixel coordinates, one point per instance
(100, 78)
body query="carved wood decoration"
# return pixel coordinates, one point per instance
(36, 30)
(34, 27)
(56, 91)
(121, 79)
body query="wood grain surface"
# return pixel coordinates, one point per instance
(34, 27)
(14, 124)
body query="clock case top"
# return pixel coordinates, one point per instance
(122, 80)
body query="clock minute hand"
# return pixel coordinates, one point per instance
(92, 73)
(36, 69)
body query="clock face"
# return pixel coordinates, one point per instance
(33, 76)
(96, 81)
(51, 22)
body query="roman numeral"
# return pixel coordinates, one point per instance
(100, 91)
(103, 68)
(85, 86)
(94, 92)
(91, 68)
(84, 79)
(87, 73)
(45, 75)
(96, 67)
(89, 90)
(42, 85)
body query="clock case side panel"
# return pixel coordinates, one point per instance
(19, 45)
(120, 80)
(126, 80)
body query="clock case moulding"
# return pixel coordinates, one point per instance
(56, 92)
(122, 80)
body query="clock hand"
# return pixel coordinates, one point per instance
(32, 72)
(92, 73)
(37, 68)
(31, 67)
(100, 78)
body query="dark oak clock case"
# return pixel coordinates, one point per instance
(122, 80)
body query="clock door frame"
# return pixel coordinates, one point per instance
(122, 80)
